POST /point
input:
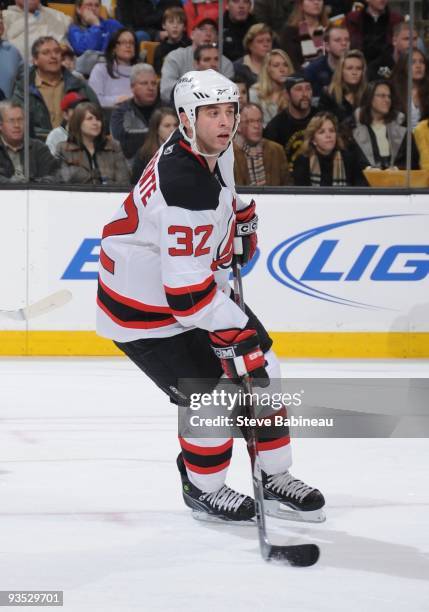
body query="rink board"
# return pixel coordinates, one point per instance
(335, 276)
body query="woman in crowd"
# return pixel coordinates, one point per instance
(88, 157)
(379, 138)
(90, 32)
(421, 134)
(257, 43)
(420, 84)
(323, 160)
(111, 79)
(302, 36)
(269, 92)
(344, 94)
(162, 124)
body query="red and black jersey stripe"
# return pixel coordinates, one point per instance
(131, 313)
(185, 301)
(206, 459)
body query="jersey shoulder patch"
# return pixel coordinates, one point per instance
(184, 182)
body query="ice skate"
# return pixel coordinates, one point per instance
(288, 498)
(222, 506)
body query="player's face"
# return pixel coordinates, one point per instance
(168, 124)
(91, 126)
(352, 71)
(214, 127)
(12, 126)
(325, 138)
(251, 125)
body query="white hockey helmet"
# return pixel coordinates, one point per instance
(201, 88)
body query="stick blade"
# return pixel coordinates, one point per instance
(45, 305)
(302, 555)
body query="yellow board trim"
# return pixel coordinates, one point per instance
(315, 345)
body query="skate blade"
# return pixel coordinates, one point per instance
(204, 517)
(278, 510)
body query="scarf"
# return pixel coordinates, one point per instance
(255, 163)
(338, 170)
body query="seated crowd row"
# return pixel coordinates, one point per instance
(320, 101)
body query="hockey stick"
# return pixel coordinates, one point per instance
(301, 555)
(43, 306)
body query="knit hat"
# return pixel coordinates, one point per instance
(296, 79)
(72, 99)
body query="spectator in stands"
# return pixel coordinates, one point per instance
(243, 90)
(379, 137)
(49, 82)
(320, 71)
(111, 79)
(43, 165)
(347, 87)
(420, 91)
(337, 9)
(88, 157)
(90, 32)
(371, 29)
(11, 63)
(302, 36)
(287, 128)
(197, 10)
(68, 60)
(182, 60)
(236, 22)
(130, 120)
(206, 56)
(421, 134)
(269, 92)
(257, 43)
(382, 67)
(144, 16)
(42, 21)
(173, 24)
(323, 160)
(162, 124)
(274, 13)
(258, 161)
(61, 133)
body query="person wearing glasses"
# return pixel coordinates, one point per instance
(380, 139)
(111, 79)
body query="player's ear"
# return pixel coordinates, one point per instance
(184, 120)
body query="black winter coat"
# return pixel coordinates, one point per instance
(43, 166)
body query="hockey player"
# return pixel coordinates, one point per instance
(165, 300)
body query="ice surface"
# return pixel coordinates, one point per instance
(90, 503)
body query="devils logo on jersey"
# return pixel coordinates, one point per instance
(224, 251)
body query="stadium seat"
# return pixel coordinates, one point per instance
(68, 9)
(149, 46)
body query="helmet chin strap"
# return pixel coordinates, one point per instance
(193, 139)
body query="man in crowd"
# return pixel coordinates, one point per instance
(11, 63)
(371, 29)
(236, 21)
(182, 60)
(258, 161)
(42, 21)
(320, 71)
(206, 56)
(382, 67)
(49, 82)
(42, 164)
(129, 121)
(287, 128)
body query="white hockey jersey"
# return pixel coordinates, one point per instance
(166, 255)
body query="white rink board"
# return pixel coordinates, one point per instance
(64, 228)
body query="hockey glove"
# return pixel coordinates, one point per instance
(240, 354)
(246, 240)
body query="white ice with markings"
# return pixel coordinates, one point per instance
(90, 503)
